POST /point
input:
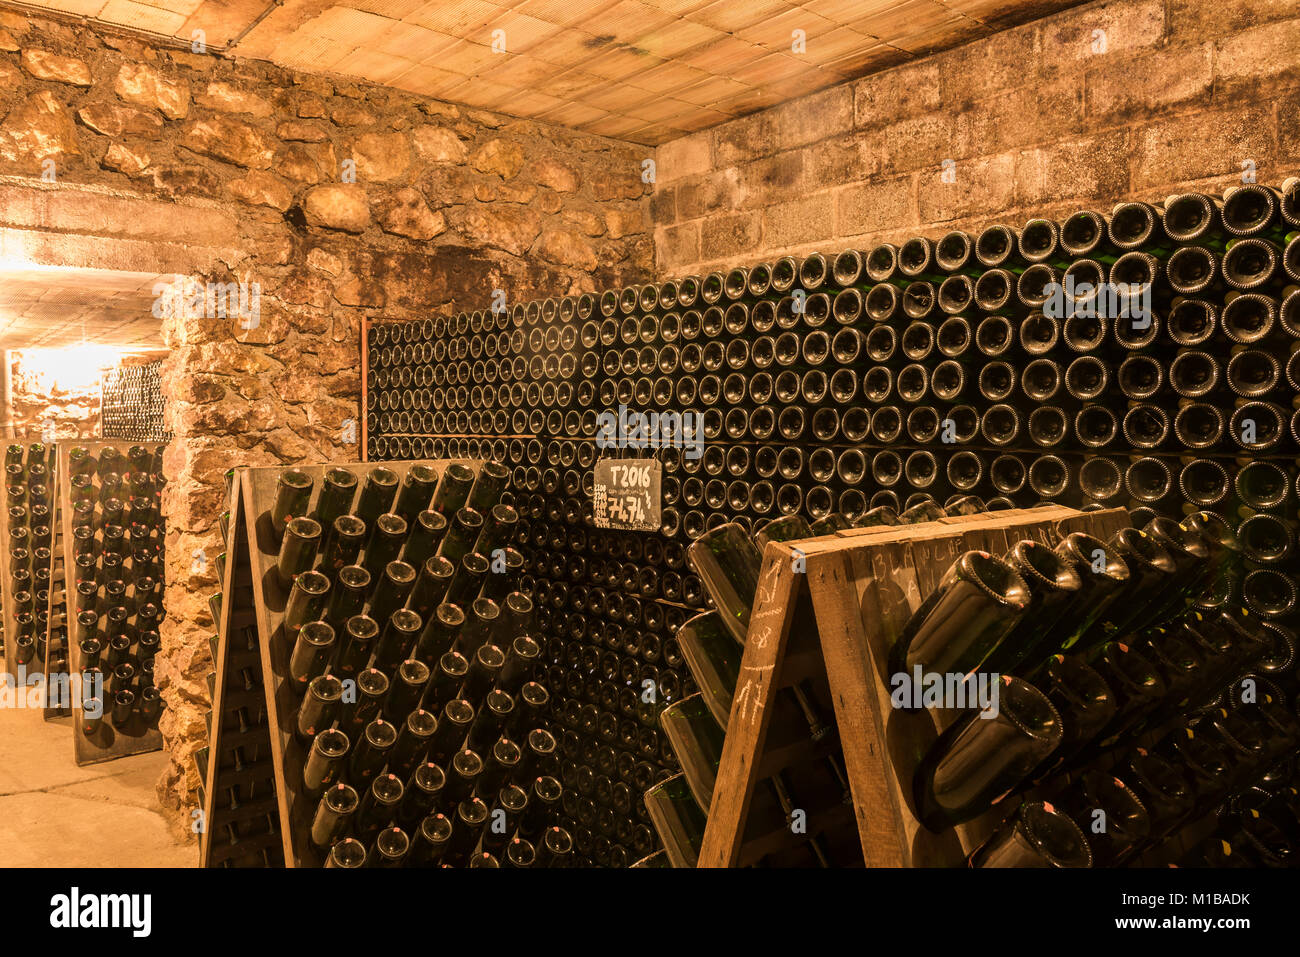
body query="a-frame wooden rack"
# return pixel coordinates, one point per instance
(831, 624)
(108, 742)
(37, 669)
(271, 815)
(240, 821)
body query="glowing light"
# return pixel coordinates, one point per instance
(70, 369)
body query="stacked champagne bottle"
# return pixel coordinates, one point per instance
(1134, 705)
(132, 404)
(1139, 358)
(613, 665)
(30, 481)
(117, 576)
(411, 662)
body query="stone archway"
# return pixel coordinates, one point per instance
(85, 241)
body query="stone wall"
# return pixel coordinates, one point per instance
(72, 411)
(1132, 98)
(447, 205)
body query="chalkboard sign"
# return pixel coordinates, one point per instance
(626, 494)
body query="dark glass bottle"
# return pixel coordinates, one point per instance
(371, 687)
(728, 564)
(397, 640)
(423, 793)
(292, 493)
(979, 600)
(377, 494)
(334, 815)
(1054, 586)
(325, 760)
(412, 742)
(306, 602)
(358, 643)
(416, 492)
(379, 806)
(320, 706)
(453, 492)
(312, 651)
(677, 819)
(492, 480)
(979, 759)
(1037, 835)
(427, 531)
(348, 596)
(466, 526)
(347, 535)
(431, 586)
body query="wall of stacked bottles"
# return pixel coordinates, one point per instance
(610, 601)
(132, 404)
(1146, 357)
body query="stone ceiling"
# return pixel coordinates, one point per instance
(644, 71)
(44, 307)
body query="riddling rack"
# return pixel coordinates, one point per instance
(34, 645)
(240, 824)
(252, 615)
(131, 404)
(834, 624)
(117, 594)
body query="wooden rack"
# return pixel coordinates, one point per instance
(37, 666)
(832, 625)
(109, 742)
(245, 831)
(257, 608)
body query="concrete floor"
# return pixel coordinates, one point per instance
(55, 814)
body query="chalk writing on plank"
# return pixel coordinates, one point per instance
(749, 699)
(773, 574)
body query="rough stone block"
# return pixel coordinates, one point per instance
(873, 206)
(806, 220)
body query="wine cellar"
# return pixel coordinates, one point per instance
(651, 434)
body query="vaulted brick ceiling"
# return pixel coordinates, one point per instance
(646, 71)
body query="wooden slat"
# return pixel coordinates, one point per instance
(858, 712)
(237, 615)
(769, 631)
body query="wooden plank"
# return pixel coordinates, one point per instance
(751, 708)
(858, 713)
(215, 740)
(266, 633)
